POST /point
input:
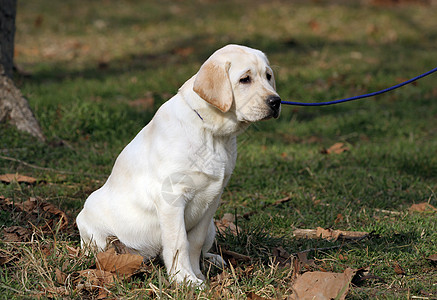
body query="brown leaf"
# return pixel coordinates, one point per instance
(103, 294)
(122, 264)
(54, 211)
(8, 178)
(403, 79)
(314, 25)
(422, 207)
(235, 255)
(54, 292)
(338, 219)
(327, 234)
(253, 296)
(6, 257)
(120, 248)
(337, 148)
(38, 210)
(60, 276)
(47, 250)
(226, 225)
(16, 234)
(280, 201)
(303, 259)
(282, 256)
(144, 103)
(342, 257)
(322, 285)
(362, 275)
(96, 277)
(38, 20)
(73, 252)
(398, 269)
(184, 51)
(432, 258)
(28, 205)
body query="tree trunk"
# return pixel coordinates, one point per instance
(8, 10)
(13, 106)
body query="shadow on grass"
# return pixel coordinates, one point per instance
(259, 245)
(200, 48)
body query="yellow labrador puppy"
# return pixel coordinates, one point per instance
(166, 184)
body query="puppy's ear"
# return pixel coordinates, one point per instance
(213, 85)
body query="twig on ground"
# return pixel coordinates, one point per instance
(329, 234)
(47, 169)
(388, 211)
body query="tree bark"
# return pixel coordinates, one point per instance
(14, 108)
(8, 11)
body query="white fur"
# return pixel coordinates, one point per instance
(166, 184)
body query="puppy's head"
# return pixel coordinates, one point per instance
(238, 79)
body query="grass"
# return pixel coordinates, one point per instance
(89, 61)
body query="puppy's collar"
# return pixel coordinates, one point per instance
(197, 113)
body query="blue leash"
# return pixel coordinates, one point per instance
(361, 96)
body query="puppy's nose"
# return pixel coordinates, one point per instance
(274, 102)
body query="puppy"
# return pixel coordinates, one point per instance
(166, 184)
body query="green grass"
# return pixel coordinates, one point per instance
(90, 60)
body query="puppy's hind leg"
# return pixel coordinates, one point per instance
(90, 238)
(215, 259)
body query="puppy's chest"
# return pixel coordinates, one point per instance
(213, 167)
(205, 195)
(214, 159)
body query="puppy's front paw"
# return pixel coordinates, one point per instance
(189, 280)
(216, 260)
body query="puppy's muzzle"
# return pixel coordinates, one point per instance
(274, 103)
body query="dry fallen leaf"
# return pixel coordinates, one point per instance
(54, 211)
(16, 234)
(337, 148)
(304, 261)
(327, 234)
(226, 225)
(144, 103)
(236, 256)
(37, 210)
(60, 276)
(339, 218)
(322, 285)
(122, 264)
(73, 252)
(362, 275)
(53, 292)
(8, 178)
(253, 296)
(109, 265)
(282, 257)
(184, 51)
(96, 277)
(398, 269)
(422, 207)
(6, 257)
(432, 258)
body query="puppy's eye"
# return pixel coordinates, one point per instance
(268, 76)
(245, 79)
